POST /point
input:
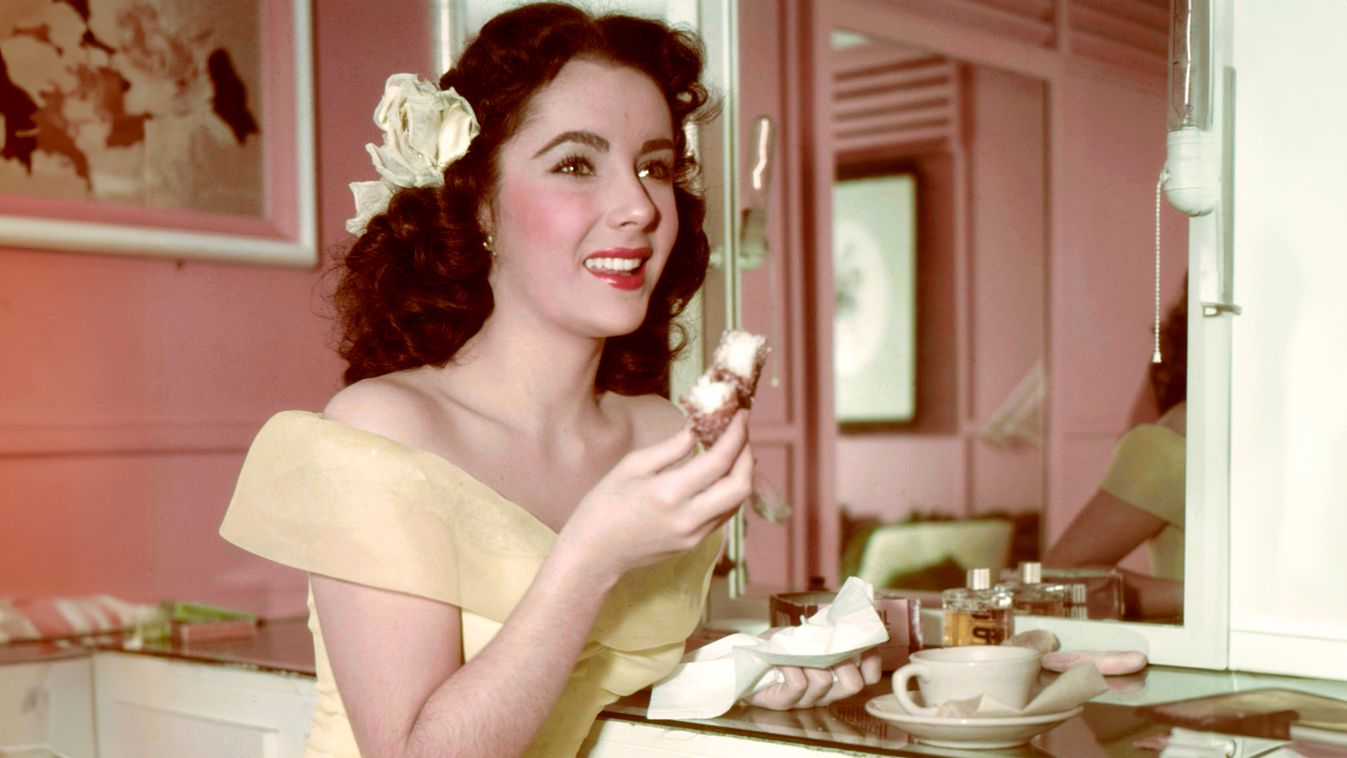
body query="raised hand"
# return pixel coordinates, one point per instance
(658, 502)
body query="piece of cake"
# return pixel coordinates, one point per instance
(739, 359)
(726, 386)
(709, 406)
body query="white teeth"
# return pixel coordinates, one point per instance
(613, 265)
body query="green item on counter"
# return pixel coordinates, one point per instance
(184, 611)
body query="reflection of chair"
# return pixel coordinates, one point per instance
(929, 555)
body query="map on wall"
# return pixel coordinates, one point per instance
(152, 103)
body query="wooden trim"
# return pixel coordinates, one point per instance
(182, 435)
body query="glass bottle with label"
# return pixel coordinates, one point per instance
(1031, 597)
(977, 614)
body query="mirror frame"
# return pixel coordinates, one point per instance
(1202, 641)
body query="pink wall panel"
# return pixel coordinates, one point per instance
(1007, 161)
(890, 476)
(1005, 479)
(131, 387)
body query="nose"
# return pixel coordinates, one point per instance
(632, 205)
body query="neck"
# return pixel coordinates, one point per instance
(533, 379)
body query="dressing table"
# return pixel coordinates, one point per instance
(261, 691)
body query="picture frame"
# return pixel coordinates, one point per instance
(874, 273)
(195, 94)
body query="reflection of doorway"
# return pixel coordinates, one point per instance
(973, 139)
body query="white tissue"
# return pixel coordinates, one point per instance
(711, 679)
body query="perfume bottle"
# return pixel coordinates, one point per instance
(1078, 604)
(1031, 597)
(977, 614)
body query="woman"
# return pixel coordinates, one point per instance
(502, 520)
(1141, 499)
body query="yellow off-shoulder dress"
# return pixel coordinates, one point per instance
(329, 499)
(1149, 472)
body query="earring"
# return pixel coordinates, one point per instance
(489, 244)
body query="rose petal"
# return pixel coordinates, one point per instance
(371, 199)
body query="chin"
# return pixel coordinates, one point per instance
(620, 325)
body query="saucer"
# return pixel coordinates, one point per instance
(967, 733)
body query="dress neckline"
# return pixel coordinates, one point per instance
(437, 459)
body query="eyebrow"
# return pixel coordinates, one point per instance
(599, 143)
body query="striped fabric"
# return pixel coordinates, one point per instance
(44, 618)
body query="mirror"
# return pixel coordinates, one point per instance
(947, 339)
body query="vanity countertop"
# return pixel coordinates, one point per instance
(281, 646)
(1109, 725)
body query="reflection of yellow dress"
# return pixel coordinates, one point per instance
(333, 500)
(1147, 471)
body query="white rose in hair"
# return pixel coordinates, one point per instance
(425, 129)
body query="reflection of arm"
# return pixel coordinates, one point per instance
(1140, 497)
(1103, 533)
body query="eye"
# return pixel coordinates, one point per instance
(659, 170)
(575, 165)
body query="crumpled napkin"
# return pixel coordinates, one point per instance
(1073, 687)
(711, 679)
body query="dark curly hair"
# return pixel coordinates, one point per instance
(413, 287)
(1169, 377)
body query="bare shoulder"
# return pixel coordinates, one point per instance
(392, 406)
(652, 418)
(1176, 419)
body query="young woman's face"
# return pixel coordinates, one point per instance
(583, 217)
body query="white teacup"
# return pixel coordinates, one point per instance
(959, 673)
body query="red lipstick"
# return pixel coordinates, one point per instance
(620, 267)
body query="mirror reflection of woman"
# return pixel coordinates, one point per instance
(1141, 499)
(503, 521)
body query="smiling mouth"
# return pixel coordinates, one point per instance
(614, 265)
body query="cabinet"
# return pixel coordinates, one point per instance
(150, 705)
(45, 703)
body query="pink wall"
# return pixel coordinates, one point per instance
(131, 387)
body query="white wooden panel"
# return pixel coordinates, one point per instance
(48, 704)
(157, 706)
(1288, 598)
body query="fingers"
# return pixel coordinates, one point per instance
(849, 681)
(872, 667)
(810, 687)
(662, 454)
(719, 501)
(820, 683)
(715, 462)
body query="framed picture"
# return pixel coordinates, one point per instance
(169, 128)
(874, 322)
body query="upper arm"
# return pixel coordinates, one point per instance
(389, 652)
(1103, 533)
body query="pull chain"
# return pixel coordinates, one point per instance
(1159, 185)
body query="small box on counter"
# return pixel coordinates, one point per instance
(190, 612)
(201, 622)
(186, 633)
(901, 616)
